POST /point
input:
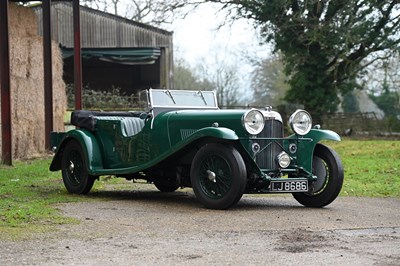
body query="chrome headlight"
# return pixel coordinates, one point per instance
(283, 159)
(300, 122)
(253, 122)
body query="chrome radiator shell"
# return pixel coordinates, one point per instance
(267, 139)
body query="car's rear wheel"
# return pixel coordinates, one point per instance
(328, 168)
(167, 184)
(218, 176)
(74, 171)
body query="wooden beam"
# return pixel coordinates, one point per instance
(48, 72)
(77, 56)
(5, 85)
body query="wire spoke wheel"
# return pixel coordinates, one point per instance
(321, 170)
(328, 168)
(74, 172)
(75, 168)
(218, 176)
(220, 181)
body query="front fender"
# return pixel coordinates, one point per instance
(307, 143)
(90, 147)
(322, 134)
(316, 135)
(220, 133)
(216, 132)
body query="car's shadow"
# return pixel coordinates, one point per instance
(150, 195)
(187, 199)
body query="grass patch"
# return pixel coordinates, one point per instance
(28, 192)
(372, 167)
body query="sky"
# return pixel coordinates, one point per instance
(198, 36)
(199, 41)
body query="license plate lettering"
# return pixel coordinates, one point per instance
(289, 186)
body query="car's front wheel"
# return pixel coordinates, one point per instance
(328, 168)
(218, 176)
(73, 168)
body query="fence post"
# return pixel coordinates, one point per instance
(5, 85)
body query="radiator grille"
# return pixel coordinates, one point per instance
(266, 158)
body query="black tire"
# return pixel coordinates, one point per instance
(328, 167)
(167, 185)
(74, 171)
(218, 176)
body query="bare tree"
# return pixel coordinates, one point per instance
(384, 73)
(218, 75)
(269, 81)
(154, 12)
(185, 76)
(222, 77)
(101, 5)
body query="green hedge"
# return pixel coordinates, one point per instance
(114, 99)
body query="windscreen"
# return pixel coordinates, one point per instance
(176, 98)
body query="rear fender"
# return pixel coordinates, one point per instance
(90, 147)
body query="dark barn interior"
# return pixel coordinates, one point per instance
(130, 74)
(116, 52)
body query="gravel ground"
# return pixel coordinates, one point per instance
(147, 227)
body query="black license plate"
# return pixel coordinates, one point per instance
(289, 186)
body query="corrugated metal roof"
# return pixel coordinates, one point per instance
(99, 29)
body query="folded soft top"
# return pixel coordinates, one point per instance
(87, 119)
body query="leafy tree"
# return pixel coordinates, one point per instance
(350, 103)
(323, 42)
(388, 101)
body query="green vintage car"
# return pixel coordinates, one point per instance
(182, 139)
